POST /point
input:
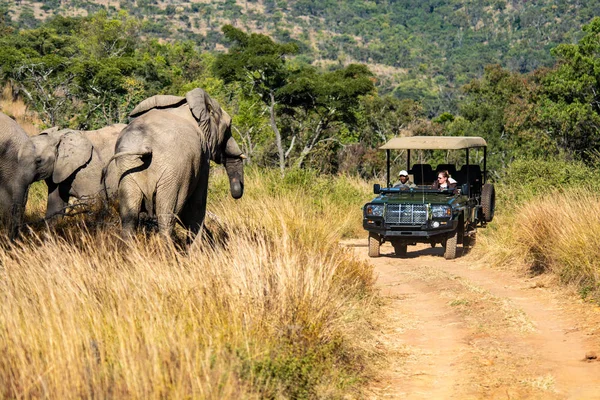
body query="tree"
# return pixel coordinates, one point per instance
(570, 94)
(258, 63)
(322, 102)
(497, 107)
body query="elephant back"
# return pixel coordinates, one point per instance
(105, 139)
(158, 101)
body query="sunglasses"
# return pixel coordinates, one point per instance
(441, 177)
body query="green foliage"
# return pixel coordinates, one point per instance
(254, 59)
(90, 72)
(439, 44)
(317, 107)
(570, 95)
(500, 107)
(525, 179)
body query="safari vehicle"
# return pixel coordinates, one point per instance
(421, 214)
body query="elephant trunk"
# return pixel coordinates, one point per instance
(235, 171)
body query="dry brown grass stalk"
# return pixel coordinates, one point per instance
(17, 109)
(275, 309)
(557, 233)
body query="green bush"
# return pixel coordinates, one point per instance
(525, 179)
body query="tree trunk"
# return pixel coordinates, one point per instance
(277, 134)
(309, 146)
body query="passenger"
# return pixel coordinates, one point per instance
(444, 181)
(404, 183)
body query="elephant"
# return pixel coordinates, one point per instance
(163, 159)
(17, 173)
(71, 163)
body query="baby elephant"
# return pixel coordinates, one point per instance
(71, 163)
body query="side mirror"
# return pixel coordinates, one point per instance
(465, 189)
(377, 188)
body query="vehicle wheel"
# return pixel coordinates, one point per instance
(400, 249)
(488, 201)
(451, 244)
(374, 245)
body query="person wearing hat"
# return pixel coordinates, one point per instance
(404, 183)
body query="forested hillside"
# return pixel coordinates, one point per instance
(290, 112)
(419, 49)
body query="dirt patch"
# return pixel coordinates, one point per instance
(455, 329)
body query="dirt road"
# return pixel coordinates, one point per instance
(458, 330)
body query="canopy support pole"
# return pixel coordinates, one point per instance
(484, 164)
(387, 152)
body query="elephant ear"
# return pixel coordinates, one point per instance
(198, 99)
(213, 121)
(158, 101)
(199, 102)
(72, 153)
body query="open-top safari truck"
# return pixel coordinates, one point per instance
(406, 216)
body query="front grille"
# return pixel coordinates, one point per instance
(406, 214)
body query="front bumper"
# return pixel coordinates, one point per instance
(424, 231)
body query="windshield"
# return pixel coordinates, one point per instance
(418, 189)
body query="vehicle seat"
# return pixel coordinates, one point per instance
(451, 168)
(423, 174)
(475, 177)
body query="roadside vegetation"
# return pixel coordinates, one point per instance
(548, 221)
(270, 307)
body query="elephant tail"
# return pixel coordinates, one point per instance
(139, 153)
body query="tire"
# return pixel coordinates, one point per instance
(488, 201)
(400, 249)
(451, 245)
(374, 245)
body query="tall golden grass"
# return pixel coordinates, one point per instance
(557, 232)
(17, 109)
(273, 309)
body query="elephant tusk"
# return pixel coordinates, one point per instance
(243, 156)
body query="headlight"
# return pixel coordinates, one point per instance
(439, 211)
(375, 210)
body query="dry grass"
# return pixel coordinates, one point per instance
(557, 233)
(18, 110)
(276, 309)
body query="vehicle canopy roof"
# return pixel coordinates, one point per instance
(434, 143)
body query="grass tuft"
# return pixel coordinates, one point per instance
(274, 308)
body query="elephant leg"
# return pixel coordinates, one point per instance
(17, 210)
(130, 203)
(5, 210)
(164, 207)
(194, 212)
(166, 224)
(58, 199)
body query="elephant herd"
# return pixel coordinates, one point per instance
(158, 164)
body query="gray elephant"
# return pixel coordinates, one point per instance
(163, 159)
(17, 172)
(71, 163)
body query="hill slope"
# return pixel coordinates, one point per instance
(420, 49)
